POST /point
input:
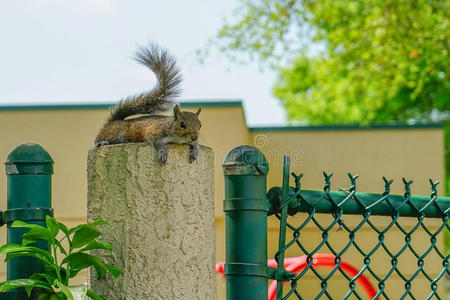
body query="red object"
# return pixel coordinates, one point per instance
(296, 264)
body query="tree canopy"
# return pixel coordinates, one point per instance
(349, 61)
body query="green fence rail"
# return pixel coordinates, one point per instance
(394, 242)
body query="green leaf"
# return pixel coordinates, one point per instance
(73, 273)
(13, 250)
(84, 236)
(52, 226)
(51, 296)
(17, 283)
(77, 292)
(19, 223)
(28, 254)
(79, 261)
(44, 297)
(28, 290)
(22, 224)
(9, 247)
(37, 234)
(97, 245)
(49, 276)
(63, 228)
(98, 222)
(53, 271)
(94, 296)
(92, 224)
(66, 291)
(115, 271)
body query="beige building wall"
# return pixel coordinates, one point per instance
(415, 153)
(67, 132)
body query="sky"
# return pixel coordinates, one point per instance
(79, 51)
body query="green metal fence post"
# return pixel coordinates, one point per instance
(245, 206)
(28, 168)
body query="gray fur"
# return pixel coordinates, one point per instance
(160, 98)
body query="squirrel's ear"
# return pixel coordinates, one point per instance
(176, 111)
(198, 111)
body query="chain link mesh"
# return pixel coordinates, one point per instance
(398, 248)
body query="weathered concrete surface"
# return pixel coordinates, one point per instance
(161, 221)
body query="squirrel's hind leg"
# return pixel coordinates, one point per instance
(193, 152)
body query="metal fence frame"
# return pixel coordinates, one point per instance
(29, 168)
(247, 206)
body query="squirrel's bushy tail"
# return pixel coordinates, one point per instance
(160, 98)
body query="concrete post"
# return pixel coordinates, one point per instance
(161, 221)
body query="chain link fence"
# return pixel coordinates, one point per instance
(332, 244)
(376, 246)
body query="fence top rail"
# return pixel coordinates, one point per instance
(352, 202)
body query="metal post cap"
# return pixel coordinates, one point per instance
(29, 158)
(245, 160)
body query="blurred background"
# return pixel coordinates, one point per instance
(302, 62)
(79, 51)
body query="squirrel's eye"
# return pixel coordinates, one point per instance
(182, 125)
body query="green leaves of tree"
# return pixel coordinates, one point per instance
(386, 61)
(349, 61)
(263, 30)
(55, 280)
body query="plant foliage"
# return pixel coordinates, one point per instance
(55, 281)
(349, 61)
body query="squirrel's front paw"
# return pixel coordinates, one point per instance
(193, 155)
(193, 152)
(162, 156)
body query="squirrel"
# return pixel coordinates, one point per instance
(159, 130)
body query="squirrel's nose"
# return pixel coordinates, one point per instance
(194, 137)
